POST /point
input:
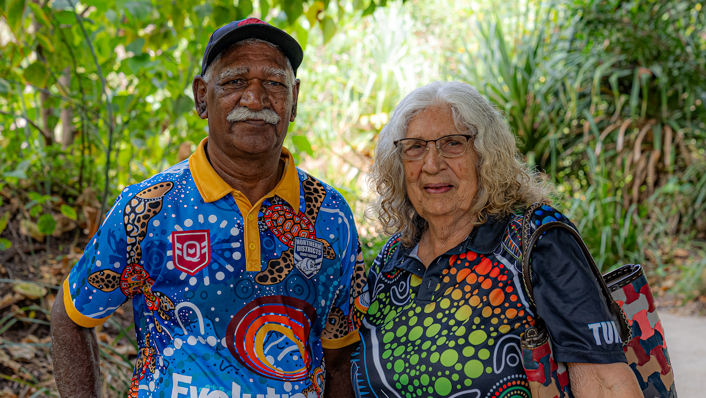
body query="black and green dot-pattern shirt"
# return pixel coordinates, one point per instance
(453, 329)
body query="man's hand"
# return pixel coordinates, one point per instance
(615, 380)
(338, 372)
(75, 355)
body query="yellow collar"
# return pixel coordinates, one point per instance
(212, 187)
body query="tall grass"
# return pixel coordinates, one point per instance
(618, 126)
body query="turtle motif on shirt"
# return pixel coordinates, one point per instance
(145, 361)
(360, 297)
(288, 225)
(336, 325)
(134, 280)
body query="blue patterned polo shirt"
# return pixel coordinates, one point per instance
(231, 299)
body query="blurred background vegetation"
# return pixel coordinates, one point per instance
(607, 97)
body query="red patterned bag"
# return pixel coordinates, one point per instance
(629, 300)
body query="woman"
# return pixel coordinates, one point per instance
(447, 304)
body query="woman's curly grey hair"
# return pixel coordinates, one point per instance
(505, 183)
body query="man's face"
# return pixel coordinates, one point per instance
(249, 102)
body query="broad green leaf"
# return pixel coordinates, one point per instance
(62, 5)
(3, 221)
(203, 10)
(35, 210)
(303, 144)
(68, 211)
(36, 74)
(39, 13)
(4, 86)
(15, 15)
(136, 46)
(245, 7)
(5, 244)
(138, 62)
(302, 35)
(264, 8)
(21, 170)
(183, 104)
(293, 9)
(329, 28)
(370, 9)
(139, 9)
(64, 17)
(111, 16)
(30, 290)
(46, 224)
(312, 14)
(45, 42)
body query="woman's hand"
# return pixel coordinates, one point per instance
(614, 380)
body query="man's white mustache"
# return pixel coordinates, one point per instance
(241, 114)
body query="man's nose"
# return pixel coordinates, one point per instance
(254, 96)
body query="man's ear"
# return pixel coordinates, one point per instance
(199, 86)
(295, 99)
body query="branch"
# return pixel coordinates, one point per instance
(111, 126)
(29, 121)
(61, 97)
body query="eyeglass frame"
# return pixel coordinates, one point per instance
(438, 149)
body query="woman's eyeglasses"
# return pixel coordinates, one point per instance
(448, 146)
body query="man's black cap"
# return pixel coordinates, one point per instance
(227, 35)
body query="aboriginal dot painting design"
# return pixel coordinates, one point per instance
(463, 341)
(205, 326)
(546, 214)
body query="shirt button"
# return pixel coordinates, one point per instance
(252, 246)
(250, 217)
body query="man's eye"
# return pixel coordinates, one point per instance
(274, 83)
(235, 81)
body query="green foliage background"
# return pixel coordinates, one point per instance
(606, 97)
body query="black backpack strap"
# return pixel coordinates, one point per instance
(528, 243)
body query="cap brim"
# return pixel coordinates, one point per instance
(286, 43)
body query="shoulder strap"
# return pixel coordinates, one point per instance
(527, 246)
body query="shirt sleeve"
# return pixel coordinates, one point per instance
(351, 302)
(92, 291)
(569, 299)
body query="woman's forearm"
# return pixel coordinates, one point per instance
(615, 380)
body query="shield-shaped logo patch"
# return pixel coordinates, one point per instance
(192, 250)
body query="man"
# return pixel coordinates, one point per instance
(245, 273)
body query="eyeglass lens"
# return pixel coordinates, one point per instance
(448, 146)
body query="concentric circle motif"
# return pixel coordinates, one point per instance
(244, 288)
(257, 333)
(300, 287)
(513, 386)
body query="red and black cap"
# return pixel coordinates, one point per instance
(227, 35)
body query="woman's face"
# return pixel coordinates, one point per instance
(439, 186)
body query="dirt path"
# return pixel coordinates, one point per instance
(687, 349)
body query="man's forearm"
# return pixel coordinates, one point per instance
(338, 372)
(75, 355)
